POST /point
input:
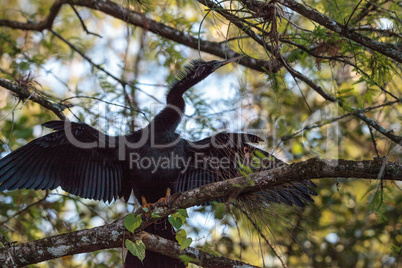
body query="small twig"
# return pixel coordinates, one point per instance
(106, 102)
(78, 199)
(82, 22)
(339, 59)
(353, 12)
(255, 225)
(381, 178)
(26, 208)
(309, 127)
(308, 81)
(302, 93)
(297, 26)
(385, 32)
(238, 229)
(374, 141)
(122, 82)
(340, 29)
(387, 133)
(237, 38)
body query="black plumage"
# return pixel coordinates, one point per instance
(87, 163)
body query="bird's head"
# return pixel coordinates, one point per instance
(192, 74)
(197, 70)
(201, 69)
(217, 64)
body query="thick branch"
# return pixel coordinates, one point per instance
(36, 26)
(103, 237)
(255, 5)
(113, 235)
(311, 169)
(281, 62)
(219, 49)
(23, 93)
(172, 249)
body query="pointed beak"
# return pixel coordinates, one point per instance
(231, 60)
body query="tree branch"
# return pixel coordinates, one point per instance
(104, 237)
(339, 59)
(84, 27)
(379, 128)
(36, 26)
(114, 234)
(22, 93)
(25, 208)
(219, 49)
(311, 169)
(326, 122)
(346, 31)
(215, 48)
(256, 5)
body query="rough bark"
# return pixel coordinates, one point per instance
(23, 93)
(114, 234)
(220, 49)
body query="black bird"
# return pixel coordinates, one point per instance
(87, 163)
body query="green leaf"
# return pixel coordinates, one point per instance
(183, 212)
(219, 210)
(182, 239)
(132, 222)
(181, 233)
(186, 243)
(154, 215)
(396, 249)
(187, 259)
(175, 221)
(137, 248)
(179, 218)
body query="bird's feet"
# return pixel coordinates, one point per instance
(167, 201)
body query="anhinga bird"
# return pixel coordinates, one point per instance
(87, 163)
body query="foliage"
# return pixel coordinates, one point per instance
(351, 223)
(137, 248)
(132, 222)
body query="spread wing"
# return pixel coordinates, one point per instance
(228, 155)
(76, 157)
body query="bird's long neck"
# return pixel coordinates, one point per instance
(169, 118)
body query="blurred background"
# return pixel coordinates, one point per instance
(114, 74)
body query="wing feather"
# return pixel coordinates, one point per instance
(21, 172)
(11, 167)
(52, 161)
(235, 146)
(47, 172)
